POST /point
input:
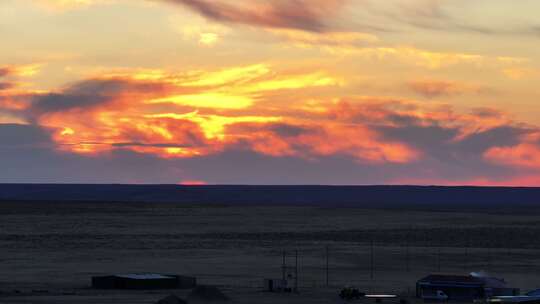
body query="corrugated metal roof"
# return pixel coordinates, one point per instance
(451, 280)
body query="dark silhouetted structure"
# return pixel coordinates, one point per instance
(143, 281)
(207, 294)
(172, 299)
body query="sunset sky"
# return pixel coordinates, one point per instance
(422, 92)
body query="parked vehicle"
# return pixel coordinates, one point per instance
(438, 296)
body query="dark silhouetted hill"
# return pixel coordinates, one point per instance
(325, 196)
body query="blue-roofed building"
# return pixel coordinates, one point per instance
(462, 287)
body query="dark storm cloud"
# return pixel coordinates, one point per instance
(504, 136)
(230, 167)
(28, 155)
(88, 94)
(448, 157)
(45, 165)
(288, 130)
(442, 141)
(57, 102)
(235, 165)
(403, 119)
(109, 87)
(17, 135)
(424, 137)
(240, 166)
(84, 94)
(308, 15)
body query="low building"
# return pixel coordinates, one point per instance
(462, 287)
(534, 293)
(456, 287)
(143, 281)
(496, 287)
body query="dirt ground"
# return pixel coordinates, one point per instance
(49, 251)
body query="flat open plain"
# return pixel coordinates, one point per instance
(49, 251)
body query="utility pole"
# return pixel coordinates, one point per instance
(296, 272)
(327, 266)
(407, 253)
(489, 249)
(371, 261)
(466, 263)
(439, 258)
(284, 268)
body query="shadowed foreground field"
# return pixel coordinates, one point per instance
(49, 251)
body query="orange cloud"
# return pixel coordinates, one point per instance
(326, 138)
(158, 112)
(199, 114)
(523, 155)
(8, 102)
(144, 113)
(214, 125)
(363, 144)
(20, 70)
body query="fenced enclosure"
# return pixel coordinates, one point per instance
(389, 264)
(376, 250)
